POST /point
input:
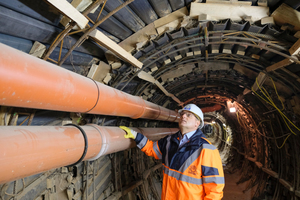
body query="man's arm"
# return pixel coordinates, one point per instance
(212, 173)
(149, 147)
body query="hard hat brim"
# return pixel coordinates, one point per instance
(179, 111)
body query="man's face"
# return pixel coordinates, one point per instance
(188, 120)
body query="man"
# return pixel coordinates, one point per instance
(192, 166)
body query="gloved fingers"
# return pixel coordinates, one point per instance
(125, 128)
(128, 132)
(127, 136)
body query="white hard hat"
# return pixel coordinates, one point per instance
(196, 111)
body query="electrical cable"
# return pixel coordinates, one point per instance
(237, 116)
(277, 93)
(270, 102)
(272, 130)
(274, 138)
(283, 141)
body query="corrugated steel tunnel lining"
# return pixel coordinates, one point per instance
(257, 132)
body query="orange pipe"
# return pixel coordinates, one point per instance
(26, 81)
(30, 150)
(212, 108)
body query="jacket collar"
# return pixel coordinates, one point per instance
(195, 140)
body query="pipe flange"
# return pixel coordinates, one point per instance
(97, 96)
(143, 112)
(85, 144)
(104, 143)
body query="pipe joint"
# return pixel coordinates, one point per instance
(143, 104)
(104, 145)
(35, 83)
(86, 144)
(97, 96)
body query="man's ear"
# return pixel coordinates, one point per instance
(198, 122)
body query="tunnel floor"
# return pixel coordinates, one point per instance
(232, 191)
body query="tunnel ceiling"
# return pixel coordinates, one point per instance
(206, 62)
(212, 76)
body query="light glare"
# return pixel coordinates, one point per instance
(232, 109)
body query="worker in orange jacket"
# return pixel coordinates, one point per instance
(192, 167)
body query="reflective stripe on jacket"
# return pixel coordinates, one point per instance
(193, 171)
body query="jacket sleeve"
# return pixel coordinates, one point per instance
(212, 173)
(149, 147)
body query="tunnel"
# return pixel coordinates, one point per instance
(73, 71)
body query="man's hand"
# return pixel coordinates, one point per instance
(130, 133)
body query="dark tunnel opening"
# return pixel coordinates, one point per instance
(215, 64)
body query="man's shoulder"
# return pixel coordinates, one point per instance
(208, 146)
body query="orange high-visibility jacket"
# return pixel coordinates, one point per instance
(194, 171)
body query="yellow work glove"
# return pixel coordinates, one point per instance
(130, 133)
